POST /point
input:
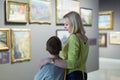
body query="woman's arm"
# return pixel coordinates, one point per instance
(60, 63)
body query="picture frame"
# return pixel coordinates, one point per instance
(86, 16)
(16, 12)
(4, 39)
(63, 35)
(62, 9)
(114, 37)
(105, 20)
(102, 40)
(40, 11)
(21, 47)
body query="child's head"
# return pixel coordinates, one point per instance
(54, 45)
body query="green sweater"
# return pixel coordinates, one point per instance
(72, 54)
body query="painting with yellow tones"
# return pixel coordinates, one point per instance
(20, 44)
(4, 38)
(102, 39)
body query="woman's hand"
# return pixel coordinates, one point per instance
(44, 62)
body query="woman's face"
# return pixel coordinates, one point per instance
(67, 27)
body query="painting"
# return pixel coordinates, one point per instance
(4, 39)
(40, 11)
(63, 35)
(115, 37)
(20, 44)
(62, 9)
(4, 57)
(102, 39)
(86, 16)
(105, 20)
(16, 12)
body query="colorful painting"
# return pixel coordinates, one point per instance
(40, 11)
(16, 12)
(105, 21)
(21, 45)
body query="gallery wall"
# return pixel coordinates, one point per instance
(112, 50)
(39, 35)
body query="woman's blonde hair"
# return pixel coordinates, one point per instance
(75, 22)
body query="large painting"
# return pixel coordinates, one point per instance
(16, 12)
(4, 39)
(65, 6)
(20, 44)
(40, 11)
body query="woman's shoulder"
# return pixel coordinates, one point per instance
(73, 37)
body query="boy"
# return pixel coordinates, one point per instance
(50, 71)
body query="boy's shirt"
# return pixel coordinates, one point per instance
(50, 72)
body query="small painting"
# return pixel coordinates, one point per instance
(4, 39)
(103, 40)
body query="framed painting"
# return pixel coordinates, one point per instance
(114, 38)
(105, 20)
(63, 35)
(102, 39)
(40, 11)
(62, 9)
(86, 16)
(4, 38)
(16, 12)
(20, 44)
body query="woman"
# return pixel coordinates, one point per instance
(75, 51)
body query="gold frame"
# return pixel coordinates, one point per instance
(114, 37)
(21, 47)
(16, 12)
(6, 31)
(42, 12)
(62, 9)
(86, 16)
(105, 21)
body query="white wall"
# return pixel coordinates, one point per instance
(39, 34)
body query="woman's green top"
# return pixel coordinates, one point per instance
(71, 53)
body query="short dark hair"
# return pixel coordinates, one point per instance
(54, 45)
